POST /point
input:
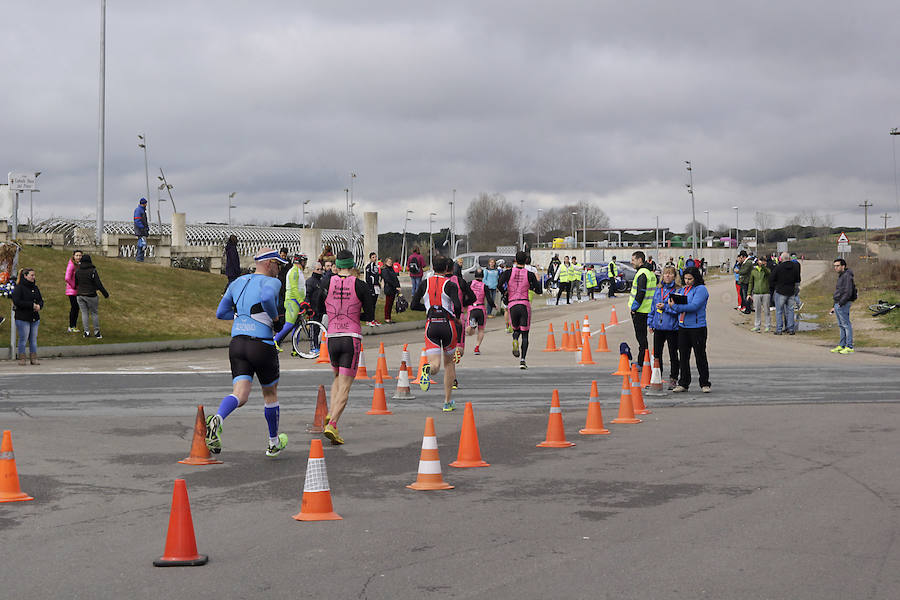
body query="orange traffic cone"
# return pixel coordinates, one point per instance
(318, 424)
(594, 423)
(9, 476)
(601, 344)
(556, 433)
(573, 338)
(316, 503)
(181, 546)
(404, 357)
(199, 452)
(578, 335)
(645, 372)
(613, 319)
(586, 358)
(551, 341)
(379, 403)
(623, 369)
(361, 371)
(382, 367)
(429, 477)
(323, 351)
(637, 399)
(564, 342)
(403, 392)
(469, 454)
(626, 408)
(656, 386)
(422, 361)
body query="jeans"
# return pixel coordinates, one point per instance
(416, 282)
(489, 297)
(843, 318)
(90, 307)
(784, 313)
(761, 303)
(688, 340)
(141, 248)
(27, 331)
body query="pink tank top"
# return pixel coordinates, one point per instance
(343, 307)
(478, 290)
(517, 286)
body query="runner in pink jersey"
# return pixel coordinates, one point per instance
(515, 284)
(476, 317)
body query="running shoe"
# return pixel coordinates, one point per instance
(277, 448)
(425, 377)
(455, 384)
(98, 336)
(277, 347)
(706, 389)
(509, 329)
(837, 349)
(457, 355)
(86, 335)
(754, 329)
(847, 350)
(214, 433)
(332, 434)
(515, 347)
(477, 350)
(678, 389)
(68, 330)
(449, 406)
(522, 364)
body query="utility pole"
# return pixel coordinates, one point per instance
(690, 187)
(865, 206)
(885, 217)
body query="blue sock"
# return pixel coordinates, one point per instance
(272, 412)
(284, 331)
(227, 406)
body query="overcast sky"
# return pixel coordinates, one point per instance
(781, 106)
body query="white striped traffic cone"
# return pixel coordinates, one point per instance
(429, 477)
(316, 503)
(403, 392)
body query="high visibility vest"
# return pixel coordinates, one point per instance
(612, 270)
(566, 273)
(647, 304)
(590, 278)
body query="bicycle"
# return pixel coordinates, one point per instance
(882, 307)
(307, 337)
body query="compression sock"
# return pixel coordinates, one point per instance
(284, 332)
(272, 412)
(227, 406)
(515, 335)
(524, 344)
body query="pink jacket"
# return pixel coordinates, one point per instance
(70, 278)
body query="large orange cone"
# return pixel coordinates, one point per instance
(613, 319)
(316, 503)
(318, 425)
(656, 386)
(623, 369)
(594, 424)
(323, 351)
(626, 408)
(556, 433)
(637, 397)
(469, 454)
(551, 341)
(601, 344)
(586, 358)
(9, 476)
(578, 335)
(564, 342)
(573, 338)
(429, 477)
(379, 403)
(645, 372)
(403, 392)
(382, 367)
(422, 361)
(199, 452)
(181, 546)
(361, 371)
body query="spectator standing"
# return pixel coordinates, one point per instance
(282, 277)
(141, 229)
(232, 260)
(664, 325)
(642, 290)
(692, 332)
(72, 291)
(758, 289)
(744, 280)
(652, 265)
(327, 254)
(590, 281)
(844, 295)
(565, 275)
(785, 279)
(612, 274)
(28, 303)
(491, 278)
(552, 267)
(391, 287)
(415, 265)
(373, 280)
(87, 284)
(313, 285)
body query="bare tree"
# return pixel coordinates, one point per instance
(332, 218)
(723, 230)
(763, 221)
(492, 220)
(693, 226)
(587, 214)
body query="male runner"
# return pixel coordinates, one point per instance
(346, 300)
(294, 296)
(516, 284)
(475, 316)
(440, 297)
(251, 301)
(466, 299)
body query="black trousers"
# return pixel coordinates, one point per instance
(73, 311)
(693, 340)
(640, 333)
(564, 286)
(670, 338)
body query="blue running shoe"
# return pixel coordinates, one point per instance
(449, 406)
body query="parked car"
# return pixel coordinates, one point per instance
(473, 260)
(625, 270)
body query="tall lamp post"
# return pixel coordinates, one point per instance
(574, 233)
(165, 185)
(895, 132)
(737, 226)
(537, 227)
(230, 205)
(403, 244)
(347, 217)
(101, 128)
(431, 238)
(521, 224)
(143, 145)
(707, 225)
(690, 187)
(303, 213)
(453, 226)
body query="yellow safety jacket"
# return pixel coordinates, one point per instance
(590, 278)
(566, 273)
(647, 303)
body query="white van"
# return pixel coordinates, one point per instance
(472, 260)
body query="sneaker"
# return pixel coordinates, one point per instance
(777, 333)
(847, 350)
(522, 364)
(87, 335)
(705, 389)
(425, 377)
(214, 433)
(792, 332)
(332, 434)
(2, 319)
(754, 329)
(277, 347)
(678, 389)
(277, 448)
(449, 406)
(516, 348)
(457, 355)
(98, 336)
(455, 384)
(672, 384)
(476, 351)
(767, 330)
(68, 329)
(837, 349)
(509, 329)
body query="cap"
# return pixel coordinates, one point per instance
(271, 255)
(143, 201)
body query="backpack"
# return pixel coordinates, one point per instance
(401, 304)
(414, 266)
(853, 294)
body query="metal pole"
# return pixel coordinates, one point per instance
(453, 225)
(865, 206)
(690, 171)
(431, 238)
(885, 216)
(583, 236)
(102, 123)
(31, 211)
(143, 145)
(895, 132)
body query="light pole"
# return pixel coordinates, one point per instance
(537, 227)
(707, 225)
(690, 187)
(351, 204)
(583, 236)
(431, 238)
(143, 146)
(303, 213)
(737, 226)
(102, 124)
(574, 233)
(453, 226)
(403, 244)
(347, 217)
(168, 187)
(895, 132)
(230, 205)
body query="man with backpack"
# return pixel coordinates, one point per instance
(844, 295)
(415, 265)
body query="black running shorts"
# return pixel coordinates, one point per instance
(251, 356)
(520, 317)
(343, 351)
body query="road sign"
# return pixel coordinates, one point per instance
(843, 248)
(843, 239)
(20, 182)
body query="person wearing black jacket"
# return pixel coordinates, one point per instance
(87, 284)
(232, 260)
(785, 279)
(373, 279)
(391, 287)
(27, 301)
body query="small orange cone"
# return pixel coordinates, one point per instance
(429, 477)
(404, 358)
(586, 358)
(382, 367)
(656, 386)
(551, 341)
(181, 546)
(361, 371)
(573, 338)
(379, 403)
(422, 361)
(623, 369)
(323, 351)
(564, 342)
(316, 503)
(637, 396)
(594, 424)
(403, 392)
(579, 335)
(601, 344)
(469, 454)
(199, 452)
(645, 372)
(626, 408)
(556, 433)
(613, 319)
(318, 425)
(9, 476)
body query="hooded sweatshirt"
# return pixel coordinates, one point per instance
(87, 281)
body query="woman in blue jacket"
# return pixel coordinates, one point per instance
(692, 330)
(491, 278)
(664, 325)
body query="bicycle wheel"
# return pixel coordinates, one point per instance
(307, 338)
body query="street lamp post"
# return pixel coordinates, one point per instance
(690, 187)
(574, 233)
(403, 244)
(537, 227)
(453, 226)
(347, 217)
(143, 146)
(737, 226)
(895, 132)
(101, 125)
(303, 213)
(168, 187)
(431, 238)
(583, 236)
(230, 205)
(707, 225)
(522, 224)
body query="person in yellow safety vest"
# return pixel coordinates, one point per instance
(612, 273)
(578, 280)
(294, 296)
(590, 281)
(565, 275)
(642, 289)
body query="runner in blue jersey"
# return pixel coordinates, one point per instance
(251, 301)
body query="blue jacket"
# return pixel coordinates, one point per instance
(664, 321)
(141, 226)
(491, 277)
(694, 311)
(252, 302)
